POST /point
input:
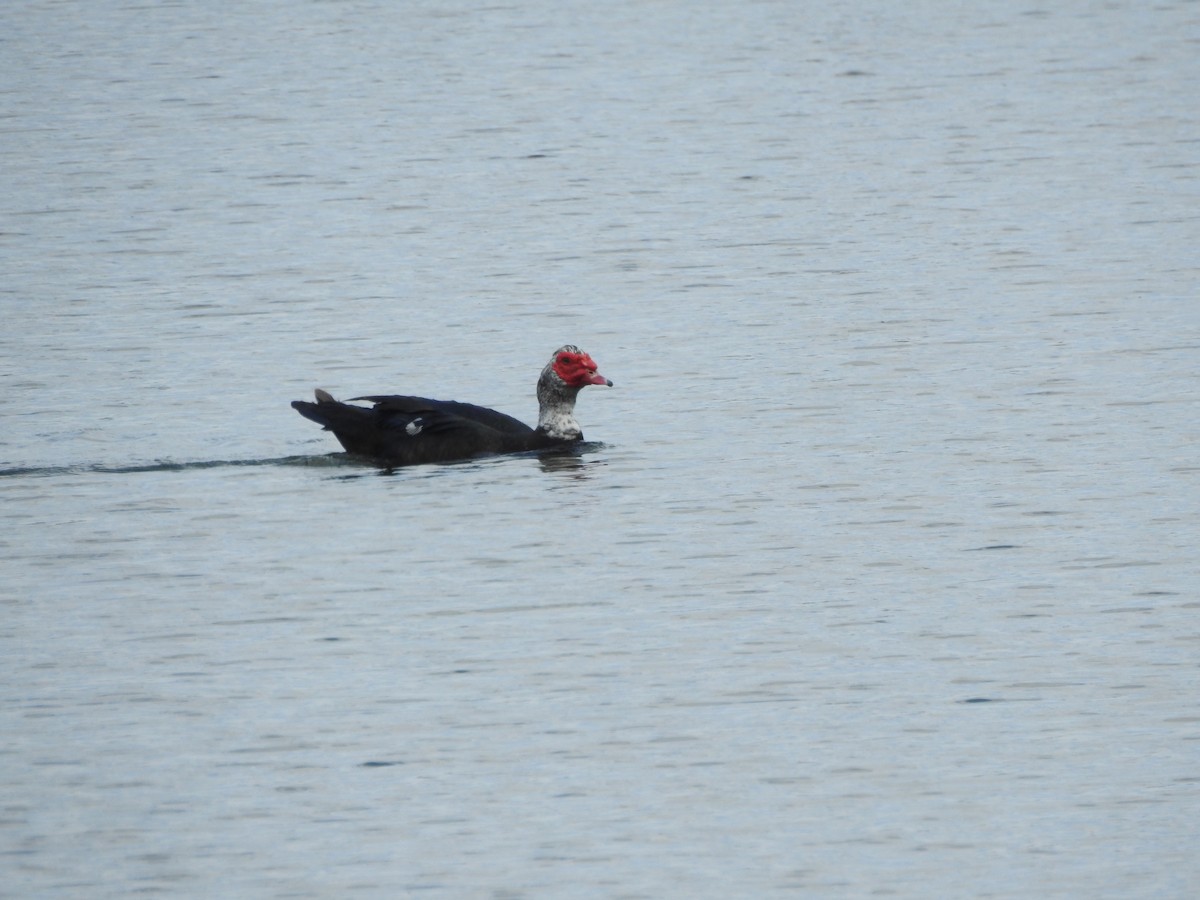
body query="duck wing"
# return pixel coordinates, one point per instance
(443, 415)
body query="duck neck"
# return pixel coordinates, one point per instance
(556, 410)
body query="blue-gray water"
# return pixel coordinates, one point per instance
(878, 578)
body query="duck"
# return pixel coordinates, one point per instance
(405, 431)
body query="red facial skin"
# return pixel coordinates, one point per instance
(578, 370)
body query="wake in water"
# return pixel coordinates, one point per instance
(550, 460)
(332, 459)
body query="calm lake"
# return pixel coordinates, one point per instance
(876, 577)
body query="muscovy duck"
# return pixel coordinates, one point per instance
(405, 431)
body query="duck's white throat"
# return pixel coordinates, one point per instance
(559, 423)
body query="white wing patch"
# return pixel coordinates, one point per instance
(414, 427)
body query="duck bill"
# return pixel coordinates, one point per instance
(599, 379)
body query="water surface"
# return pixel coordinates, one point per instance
(877, 575)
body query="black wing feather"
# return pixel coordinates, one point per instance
(446, 414)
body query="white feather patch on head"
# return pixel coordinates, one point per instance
(414, 427)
